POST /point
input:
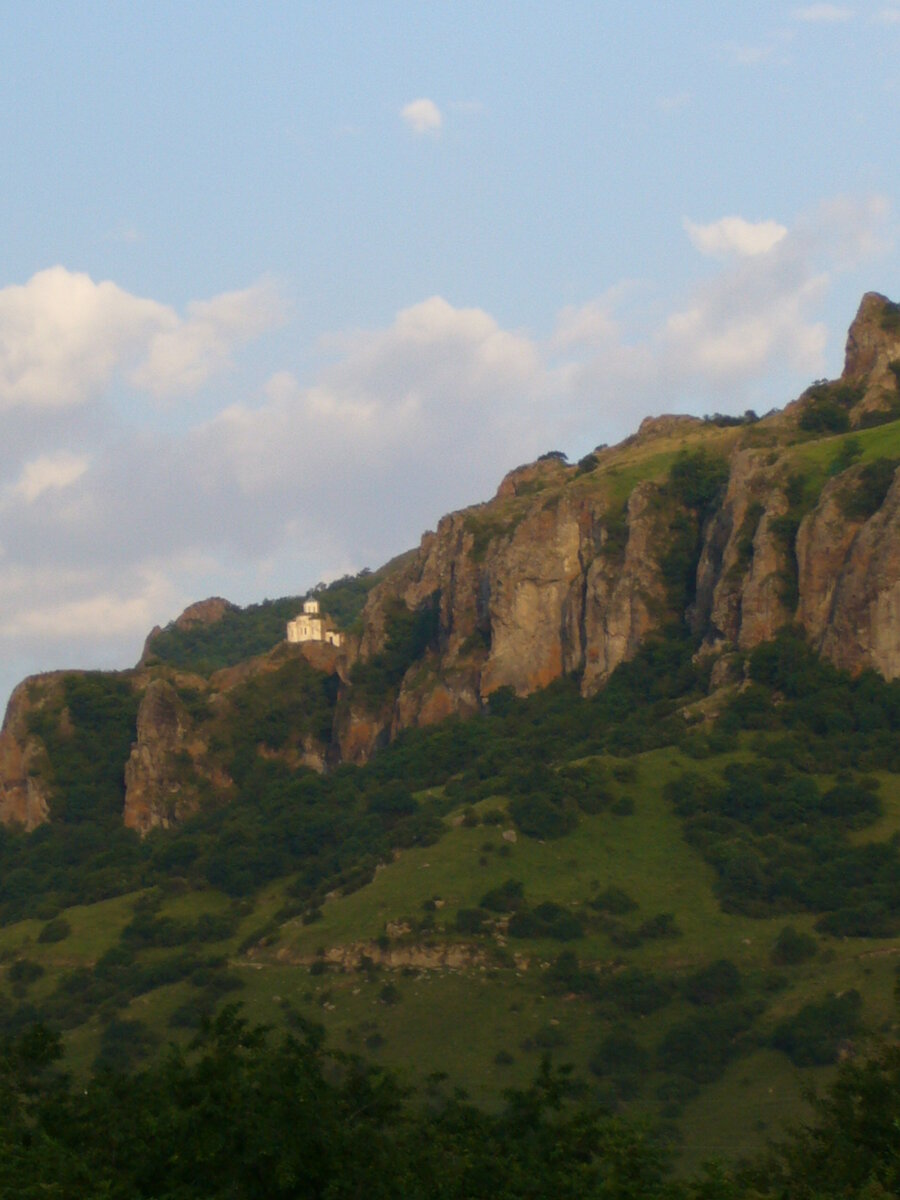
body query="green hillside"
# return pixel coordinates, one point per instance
(242, 633)
(700, 916)
(676, 900)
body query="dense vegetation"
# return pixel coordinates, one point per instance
(238, 1115)
(242, 633)
(779, 800)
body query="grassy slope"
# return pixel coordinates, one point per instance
(456, 1020)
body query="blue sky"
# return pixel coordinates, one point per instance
(283, 283)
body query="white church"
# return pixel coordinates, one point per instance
(312, 626)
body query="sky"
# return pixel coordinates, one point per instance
(281, 284)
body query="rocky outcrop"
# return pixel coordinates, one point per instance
(568, 569)
(623, 599)
(528, 587)
(741, 573)
(824, 542)
(858, 622)
(24, 795)
(202, 612)
(166, 762)
(873, 345)
(359, 733)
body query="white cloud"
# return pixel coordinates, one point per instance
(675, 102)
(115, 532)
(734, 235)
(117, 612)
(422, 116)
(126, 234)
(771, 53)
(183, 356)
(587, 324)
(824, 13)
(724, 337)
(49, 472)
(64, 337)
(889, 16)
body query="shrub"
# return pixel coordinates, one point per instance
(24, 971)
(613, 900)
(792, 947)
(827, 406)
(619, 1053)
(123, 1044)
(813, 1036)
(565, 973)
(470, 920)
(524, 924)
(702, 1046)
(721, 980)
(869, 489)
(848, 452)
(508, 897)
(661, 926)
(697, 478)
(635, 992)
(825, 416)
(538, 817)
(56, 930)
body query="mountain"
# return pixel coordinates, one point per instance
(738, 528)
(608, 768)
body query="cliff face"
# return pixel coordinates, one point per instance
(161, 773)
(569, 569)
(855, 618)
(557, 575)
(873, 345)
(24, 797)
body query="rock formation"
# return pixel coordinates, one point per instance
(24, 795)
(569, 569)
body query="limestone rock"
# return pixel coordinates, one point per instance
(863, 629)
(156, 790)
(873, 343)
(202, 612)
(623, 601)
(24, 796)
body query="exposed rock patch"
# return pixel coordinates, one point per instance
(24, 797)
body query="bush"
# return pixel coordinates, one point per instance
(697, 478)
(813, 1036)
(635, 992)
(613, 900)
(470, 920)
(869, 489)
(661, 926)
(825, 416)
(56, 930)
(721, 980)
(123, 1044)
(619, 1053)
(701, 1047)
(538, 817)
(792, 947)
(25, 972)
(524, 924)
(508, 897)
(827, 406)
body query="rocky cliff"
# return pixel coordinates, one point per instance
(566, 568)
(733, 529)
